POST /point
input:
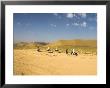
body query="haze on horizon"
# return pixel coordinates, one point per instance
(48, 27)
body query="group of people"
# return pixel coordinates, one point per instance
(67, 52)
(49, 50)
(72, 52)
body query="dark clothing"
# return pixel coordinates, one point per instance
(66, 51)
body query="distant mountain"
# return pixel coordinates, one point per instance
(29, 45)
(79, 43)
(86, 43)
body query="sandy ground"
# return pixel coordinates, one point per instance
(31, 62)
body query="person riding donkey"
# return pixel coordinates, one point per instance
(73, 52)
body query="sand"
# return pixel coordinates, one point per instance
(31, 62)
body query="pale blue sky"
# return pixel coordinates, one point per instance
(48, 27)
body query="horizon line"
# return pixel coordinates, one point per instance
(51, 41)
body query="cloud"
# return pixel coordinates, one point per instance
(84, 24)
(53, 25)
(75, 24)
(83, 15)
(56, 14)
(67, 24)
(69, 15)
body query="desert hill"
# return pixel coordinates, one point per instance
(59, 43)
(83, 43)
(29, 44)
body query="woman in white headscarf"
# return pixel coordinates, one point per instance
(73, 51)
(48, 49)
(56, 49)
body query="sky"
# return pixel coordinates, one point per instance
(49, 27)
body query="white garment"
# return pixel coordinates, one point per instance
(73, 50)
(56, 49)
(48, 48)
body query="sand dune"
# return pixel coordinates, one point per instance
(31, 62)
